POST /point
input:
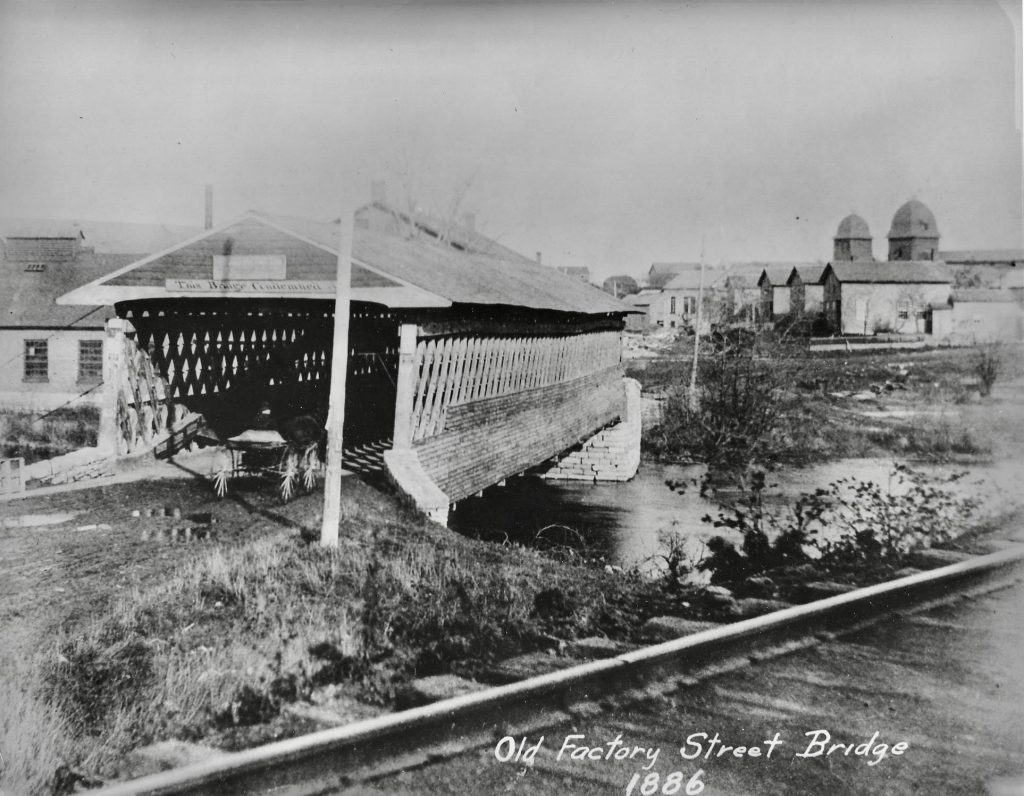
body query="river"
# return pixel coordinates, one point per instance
(626, 522)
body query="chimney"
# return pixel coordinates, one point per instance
(379, 191)
(208, 222)
(469, 221)
(539, 258)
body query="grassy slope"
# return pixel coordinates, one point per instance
(213, 641)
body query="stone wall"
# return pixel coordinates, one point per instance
(487, 440)
(613, 454)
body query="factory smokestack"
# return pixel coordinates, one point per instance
(208, 223)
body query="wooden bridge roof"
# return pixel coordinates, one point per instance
(396, 270)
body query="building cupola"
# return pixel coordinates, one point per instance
(852, 240)
(914, 234)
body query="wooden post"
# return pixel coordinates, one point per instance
(405, 387)
(694, 403)
(113, 376)
(339, 373)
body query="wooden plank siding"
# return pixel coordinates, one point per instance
(453, 371)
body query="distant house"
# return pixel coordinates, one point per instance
(581, 272)
(52, 355)
(979, 315)
(642, 302)
(896, 296)
(676, 303)
(660, 274)
(775, 291)
(806, 293)
(986, 268)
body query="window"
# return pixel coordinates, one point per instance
(689, 305)
(37, 361)
(903, 309)
(90, 361)
(672, 306)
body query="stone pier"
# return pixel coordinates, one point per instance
(612, 454)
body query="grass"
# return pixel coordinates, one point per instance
(217, 648)
(933, 389)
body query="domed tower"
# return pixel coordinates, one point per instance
(914, 234)
(852, 240)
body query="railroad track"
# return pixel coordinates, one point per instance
(848, 666)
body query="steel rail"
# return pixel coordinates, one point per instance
(331, 759)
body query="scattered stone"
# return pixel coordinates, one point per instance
(933, 558)
(761, 586)
(425, 690)
(136, 513)
(906, 572)
(865, 395)
(164, 756)
(996, 545)
(145, 534)
(821, 590)
(595, 647)
(160, 512)
(665, 628)
(174, 534)
(525, 666)
(148, 513)
(176, 513)
(320, 716)
(753, 606)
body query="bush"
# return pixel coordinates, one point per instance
(852, 528)
(988, 362)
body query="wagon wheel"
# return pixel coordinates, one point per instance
(310, 467)
(289, 474)
(221, 476)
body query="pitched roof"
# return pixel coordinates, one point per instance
(689, 279)
(776, 274)
(383, 260)
(672, 268)
(40, 228)
(1008, 256)
(27, 297)
(973, 295)
(108, 237)
(900, 272)
(809, 274)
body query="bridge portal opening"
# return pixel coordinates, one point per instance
(228, 359)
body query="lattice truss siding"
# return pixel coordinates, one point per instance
(201, 353)
(459, 369)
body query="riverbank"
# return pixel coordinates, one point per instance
(923, 405)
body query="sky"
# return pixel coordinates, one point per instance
(606, 135)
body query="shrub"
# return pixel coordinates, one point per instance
(852, 527)
(988, 362)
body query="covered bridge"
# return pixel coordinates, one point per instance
(468, 361)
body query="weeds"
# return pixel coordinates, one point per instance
(852, 528)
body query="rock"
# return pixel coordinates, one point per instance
(595, 647)
(906, 572)
(525, 666)
(665, 628)
(821, 589)
(753, 606)
(933, 558)
(320, 716)
(164, 756)
(760, 586)
(996, 545)
(425, 690)
(865, 395)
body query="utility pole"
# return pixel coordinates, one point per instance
(339, 374)
(694, 404)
